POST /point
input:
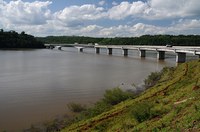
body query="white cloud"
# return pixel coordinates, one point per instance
(174, 8)
(129, 31)
(125, 9)
(75, 15)
(37, 19)
(114, 3)
(187, 26)
(19, 12)
(181, 27)
(155, 9)
(101, 3)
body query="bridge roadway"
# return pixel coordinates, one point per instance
(180, 51)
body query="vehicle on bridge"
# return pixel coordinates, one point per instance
(169, 45)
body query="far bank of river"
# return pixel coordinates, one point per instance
(36, 85)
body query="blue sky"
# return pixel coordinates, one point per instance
(101, 18)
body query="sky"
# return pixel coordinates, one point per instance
(101, 18)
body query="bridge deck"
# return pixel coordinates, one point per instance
(176, 49)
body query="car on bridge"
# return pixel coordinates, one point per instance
(168, 45)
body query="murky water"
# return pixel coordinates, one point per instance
(36, 85)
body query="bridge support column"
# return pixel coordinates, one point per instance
(109, 51)
(125, 52)
(80, 49)
(161, 55)
(97, 50)
(180, 57)
(142, 53)
(59, 48)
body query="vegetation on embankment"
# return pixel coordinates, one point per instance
(172, 104)
(12, 39)
(81, 112)
(180, 40)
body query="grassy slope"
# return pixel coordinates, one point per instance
(174, 106)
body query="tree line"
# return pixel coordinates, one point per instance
(178, 40)
(12, 39)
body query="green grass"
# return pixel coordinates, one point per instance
(172, 104)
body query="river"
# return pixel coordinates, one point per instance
(36, 85)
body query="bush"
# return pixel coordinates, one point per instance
(76, 107)
(95, 110)
(116, 96)
(111, 97)
(152, 79)
(141, 111)
(99, 108)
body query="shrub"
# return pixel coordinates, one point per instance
(152, 79)
(158, 110)
(111, 97)
(95, 110)
(102, 127)
(76, 107)
(141, 111)
(116, 96)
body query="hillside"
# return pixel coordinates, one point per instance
(170, 105)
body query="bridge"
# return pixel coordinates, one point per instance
(180, 51)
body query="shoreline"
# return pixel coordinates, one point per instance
(70, 115)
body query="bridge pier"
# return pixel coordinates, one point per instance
(180, 57)
(160, 55)
(142, 53)
(196, 54)
(97, 50)
(125, 52)
(109, 51)
(80, 49)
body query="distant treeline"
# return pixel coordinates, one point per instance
(12, 39)
(190, 40)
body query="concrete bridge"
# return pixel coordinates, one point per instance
(80, 47)
(180, 51)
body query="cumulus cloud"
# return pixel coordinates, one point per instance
(101, 3)
(36, 18)
(138, 29)
(186, 26)
(155, 9)
(84, 12)
(78, 14)
(19, 12)
(125, 9)
(174, 8)
(114, 3)
(129, 31)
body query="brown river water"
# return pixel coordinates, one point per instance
(36, 85)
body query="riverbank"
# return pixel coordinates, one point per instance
(110, 98)
(170, 105)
